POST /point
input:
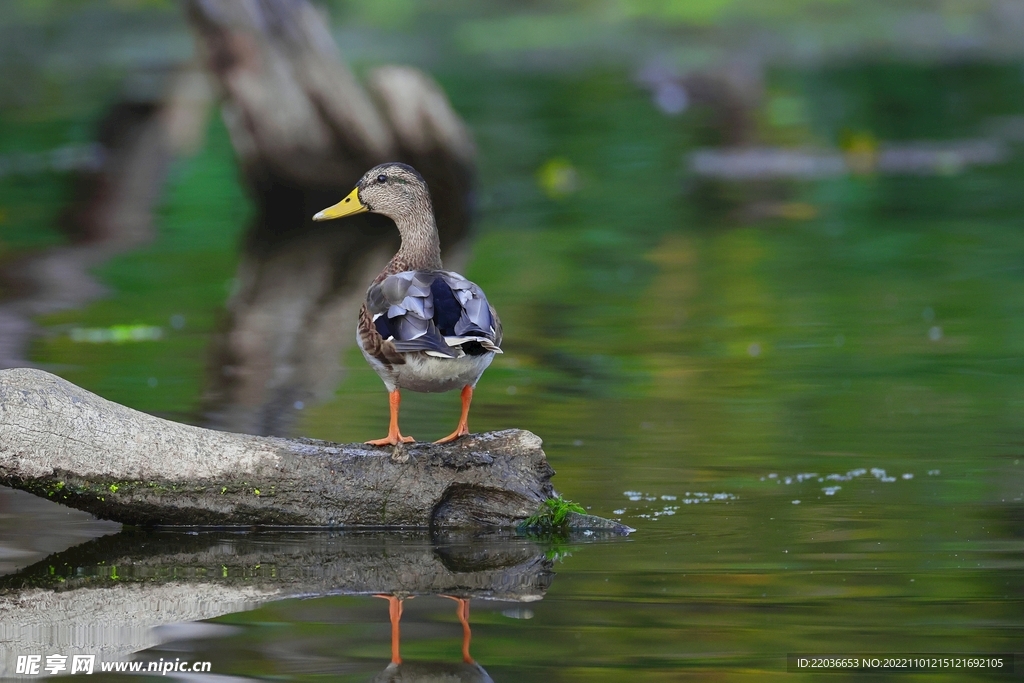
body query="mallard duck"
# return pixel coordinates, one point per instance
(421, 327)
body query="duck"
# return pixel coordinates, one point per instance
(421, 327)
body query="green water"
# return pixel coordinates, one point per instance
(674, 348)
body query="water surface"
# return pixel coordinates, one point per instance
(806, 396)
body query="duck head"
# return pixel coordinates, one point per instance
(400, 193)
(395, 190)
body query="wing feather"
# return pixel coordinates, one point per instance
(373, 341)
(432, 311)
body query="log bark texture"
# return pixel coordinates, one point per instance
(62, 442)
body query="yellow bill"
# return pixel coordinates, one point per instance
(348, 206)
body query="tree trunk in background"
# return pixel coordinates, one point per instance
(304, 131)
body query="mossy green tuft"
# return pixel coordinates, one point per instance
(552, 515)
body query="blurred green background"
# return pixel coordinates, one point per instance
(672, 332)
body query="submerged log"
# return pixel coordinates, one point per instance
(62, 442)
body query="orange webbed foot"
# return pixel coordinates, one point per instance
(463, 428)
(394, 436)
(390, 440)
(460, 432)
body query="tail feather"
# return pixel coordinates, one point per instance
(483, 341)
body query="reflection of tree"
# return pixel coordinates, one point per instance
(304, 131)
(57, 603)
(114, 192)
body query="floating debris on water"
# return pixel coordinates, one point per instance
(831, 490)
(701, 497)
(117, 334)
(88, 157)
(689, 498)
(852, 474)
(924, 158)
(880, 474)
(934, 473)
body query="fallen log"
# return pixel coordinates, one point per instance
(64, 443)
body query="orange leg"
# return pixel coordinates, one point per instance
(463, 428)
(395, 612)
(394, 437)
(462, 611)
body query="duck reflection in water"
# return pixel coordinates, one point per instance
(408, 672)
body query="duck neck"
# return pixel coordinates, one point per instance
(421, 248)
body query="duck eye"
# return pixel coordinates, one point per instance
(382, 178)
